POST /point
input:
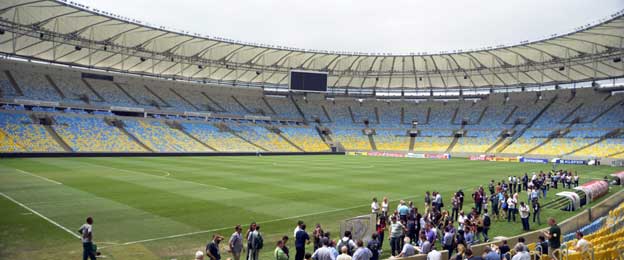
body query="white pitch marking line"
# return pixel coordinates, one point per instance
(162, 177)
(37, 176)
(40, 215)
(224, 228)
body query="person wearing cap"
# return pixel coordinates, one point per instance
(199, 255)
(323, 252)
(236, 243)
(212, 248)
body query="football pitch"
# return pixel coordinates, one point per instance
(169, 207)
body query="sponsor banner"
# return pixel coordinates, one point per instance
(445, 156)
(385, 154)
(577, 162)
(504, 159)
(482, 157)
(415, 155)
(533, 160)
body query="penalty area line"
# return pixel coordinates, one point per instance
(37, 176)
(40, 215)
(226, 228)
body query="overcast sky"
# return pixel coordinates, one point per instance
(369, 26)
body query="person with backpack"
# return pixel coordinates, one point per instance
(373, 246)
(255, 242)
(301, 239)
(487, 222)
(347, 242)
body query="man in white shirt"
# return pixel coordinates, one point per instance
(235, 243)
(524, 215)
(582, 245)
(297, 228)
(434, 255)
(375, 206)
(86, 234)
(511, 206)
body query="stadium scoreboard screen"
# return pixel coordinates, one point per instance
(308, 81)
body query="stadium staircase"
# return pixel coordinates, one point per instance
(185, 100)
(402, 115)
(292, 99)
(549, 139)
(120, 125)
(411, 143)
(620, 103)
(428, 115)
(58, 90)
(377, 117)
(58, 139)
(351, 114)
(499, 141)
(225, 128)
(615, 154)
(510, 115)
(241, 105)
(454, 142)
(14, 84)
(565, 118)
(371, 140)
(326, 114)
(482, 115)
(136, 102)
(157, 96)
(281, 135)
(454, 118)
(100, 98)
(521, 132)
(266, 102)
(215, 103)
(179, 127)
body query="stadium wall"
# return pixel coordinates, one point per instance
(146, 154)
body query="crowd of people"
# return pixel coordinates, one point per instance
(409, 231)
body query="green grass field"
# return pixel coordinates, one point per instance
(169, 207)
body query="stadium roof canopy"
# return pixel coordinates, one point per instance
(70, 33)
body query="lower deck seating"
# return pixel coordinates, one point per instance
(263, 137)
(432, 144)
(352, 139)
(21, 134)
(604, 148)
(392, 140)
(92, 134)
(162, 138)
(215, 138)
(306, 138)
